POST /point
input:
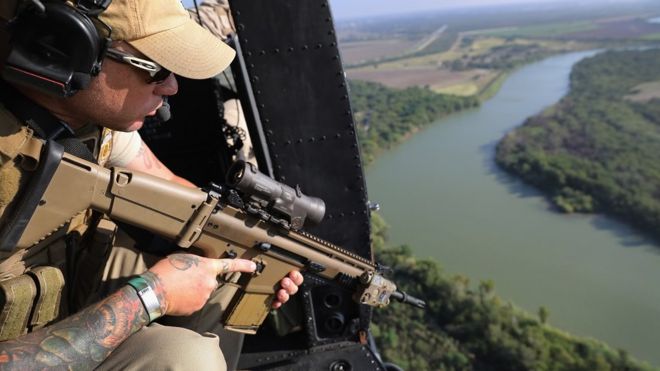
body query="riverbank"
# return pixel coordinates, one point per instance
(473, 328)
(444, 196)
(386, 117)
(597, 150)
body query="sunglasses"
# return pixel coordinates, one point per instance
(157, 72)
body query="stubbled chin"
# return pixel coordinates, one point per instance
(132, 127)
(136, 125)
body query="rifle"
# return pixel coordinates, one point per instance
(262, 225)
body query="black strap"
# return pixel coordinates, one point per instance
(59, 139)
(45, 125)
(13, 230)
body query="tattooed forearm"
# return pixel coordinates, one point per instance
(83, 340)
(149, 159)
(183, 262)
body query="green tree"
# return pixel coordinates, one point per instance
(543, 314)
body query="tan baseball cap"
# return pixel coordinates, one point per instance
(163, 31)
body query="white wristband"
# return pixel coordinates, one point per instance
(147, 296)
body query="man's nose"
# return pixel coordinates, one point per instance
(168, 87)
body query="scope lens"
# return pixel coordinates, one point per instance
(236, 173)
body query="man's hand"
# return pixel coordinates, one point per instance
(289, 286)
(184, 282)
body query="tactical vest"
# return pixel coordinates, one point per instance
(32, 280)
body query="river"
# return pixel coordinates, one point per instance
(443, 195)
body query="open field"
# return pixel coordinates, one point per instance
(465, 53)
(618, 30)
(463, 70)
(615, 28)
(540, 31)
(362, 51)
(644, 93)
(652, 37)
(470, 48)
(441, 80)
(429, 60)
(365, 51)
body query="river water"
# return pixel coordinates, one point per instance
(443, 195)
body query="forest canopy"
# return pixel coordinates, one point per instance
(598, 149)
(385, 117)
(467, 326)
(470, 328)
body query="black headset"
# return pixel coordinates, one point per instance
(57, 47)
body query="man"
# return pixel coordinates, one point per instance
(148, 36)
(215, 16)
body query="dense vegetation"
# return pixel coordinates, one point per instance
(597, 149)
(502, 57)
(467, 327)
(385, 116)
(472, 329)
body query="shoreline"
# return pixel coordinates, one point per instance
(573, 179)
(484, 222)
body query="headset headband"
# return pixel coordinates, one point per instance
(93, 7)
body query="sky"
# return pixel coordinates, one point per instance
(347, 9)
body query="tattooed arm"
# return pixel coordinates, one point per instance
(188, 280)
(147, 162)
(81, 341)
(182, 283)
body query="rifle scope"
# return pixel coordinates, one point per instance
(270, 193)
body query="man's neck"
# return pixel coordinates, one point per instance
(57, 106)
(33, 112)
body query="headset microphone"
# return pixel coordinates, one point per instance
(163, 113)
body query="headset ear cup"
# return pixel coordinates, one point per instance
(57, 51)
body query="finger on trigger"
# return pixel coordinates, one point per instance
(235, 265)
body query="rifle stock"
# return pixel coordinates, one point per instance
(207, 221)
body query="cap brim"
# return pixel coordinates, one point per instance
(188, 50)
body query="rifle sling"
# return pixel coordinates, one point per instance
(45, 158)
(50, 158)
